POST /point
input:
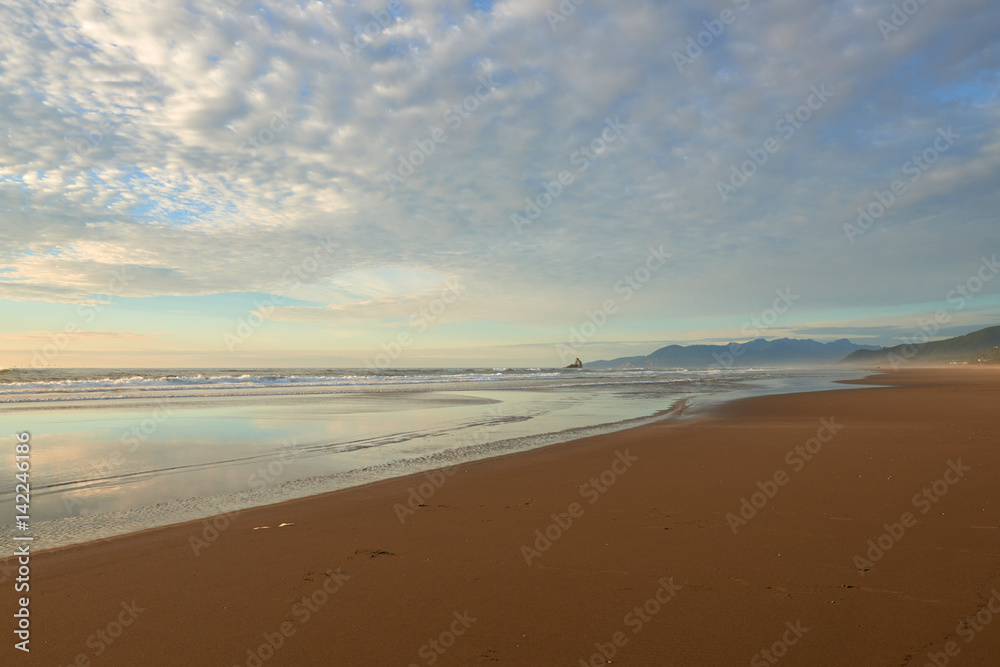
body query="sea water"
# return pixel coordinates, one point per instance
(120, 450)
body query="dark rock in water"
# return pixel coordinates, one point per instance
(576, 364)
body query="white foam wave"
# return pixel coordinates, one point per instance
(230, 382)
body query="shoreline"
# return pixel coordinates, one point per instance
(76, 530)
(549, 577)
(235, 503)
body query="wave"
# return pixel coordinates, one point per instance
(37, 385)
(247, 381)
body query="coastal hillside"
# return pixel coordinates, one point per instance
(779, 353)
(978, 347)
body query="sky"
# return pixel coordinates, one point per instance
(227, 183)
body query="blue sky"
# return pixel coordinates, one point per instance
(226, 183)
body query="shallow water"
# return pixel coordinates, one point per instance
(118, 451)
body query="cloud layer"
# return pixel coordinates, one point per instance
(212, 147)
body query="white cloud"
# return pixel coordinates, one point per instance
(123, 118)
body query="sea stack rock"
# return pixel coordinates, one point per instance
(576, 364)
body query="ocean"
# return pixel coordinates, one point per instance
(115, 451)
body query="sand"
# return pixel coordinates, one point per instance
(640, 554)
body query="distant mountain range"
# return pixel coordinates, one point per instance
(783, 352)
(981, 346)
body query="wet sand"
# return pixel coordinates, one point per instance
(640, 544)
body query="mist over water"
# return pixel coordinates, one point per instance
(114, 451)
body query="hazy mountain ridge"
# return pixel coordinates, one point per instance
(981, 346)
(755, 353)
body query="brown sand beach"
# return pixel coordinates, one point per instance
(851, 527)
